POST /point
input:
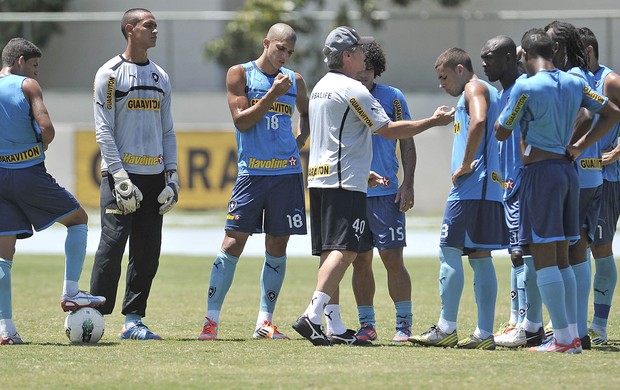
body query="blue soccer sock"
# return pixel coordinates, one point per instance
(552, 291)
(605, 279)
(514, 302)
(451, 281)
(570, 298)
(485, 290)
(221, 278)
(403, 313)
(532, 292)
(271, 281)
(583, 284)
(521, 295)
(366, 314)
(6, 306)
(75, 253)
(131, 320)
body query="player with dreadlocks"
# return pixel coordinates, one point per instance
(608, 84)
(570, 56)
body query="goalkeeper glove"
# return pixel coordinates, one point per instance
(170, 195)
(128, 196)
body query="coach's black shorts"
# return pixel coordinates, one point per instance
(338, 221)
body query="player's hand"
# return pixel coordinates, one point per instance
(443, 115)
(374, 179)
(170, 194)
(462, 171)
(572, 152)
(405, 196)
(128, 196)
(281, 84)
(610, 156)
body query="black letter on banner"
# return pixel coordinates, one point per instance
(229, 175)
(202, 156)
(96, 168)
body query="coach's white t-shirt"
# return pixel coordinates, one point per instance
(343, 115)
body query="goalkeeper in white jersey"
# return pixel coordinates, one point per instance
(139, 183)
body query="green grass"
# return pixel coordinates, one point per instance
(177, 306)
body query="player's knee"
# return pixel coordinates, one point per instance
(517, 258)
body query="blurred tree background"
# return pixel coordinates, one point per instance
(243, 36)
(38, 33)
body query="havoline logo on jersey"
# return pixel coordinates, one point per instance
(274, 163)
(145, 160)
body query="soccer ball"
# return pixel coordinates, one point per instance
(85, 325)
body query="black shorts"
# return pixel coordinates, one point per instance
(338, 221)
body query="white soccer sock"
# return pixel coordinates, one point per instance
(314, 311)
(482, 334)
(7, 328)
(446, 326)
(531, 326)
(333, 321)
(262, 317)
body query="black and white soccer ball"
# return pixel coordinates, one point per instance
(84, 326)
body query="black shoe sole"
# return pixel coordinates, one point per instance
(305, 328)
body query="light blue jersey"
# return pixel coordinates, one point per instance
(611, 172)
(589, 163)
(484, 182)
(268, 148)
(384, 160)
(546, 120)
(511, 163)
(20, 136)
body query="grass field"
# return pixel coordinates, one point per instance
(177, 306)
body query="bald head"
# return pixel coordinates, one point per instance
(281, 32)
(501, 44)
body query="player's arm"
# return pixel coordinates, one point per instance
(402, 129)
(608, 116)
(104, 110)
(612, 91)
(583, 123)
(169, 138)
(302, 102)
(34, 95)
(409, 158)
(511, 114)
(477, 104)
(243, 115)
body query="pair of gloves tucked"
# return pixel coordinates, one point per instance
(128, 195)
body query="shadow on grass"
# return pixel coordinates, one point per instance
(88, 345)
(211, 341)
(611, 346)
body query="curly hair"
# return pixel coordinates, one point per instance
(375, 58)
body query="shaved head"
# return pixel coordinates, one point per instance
(281, 32)
(501, 43)
(133, 17)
